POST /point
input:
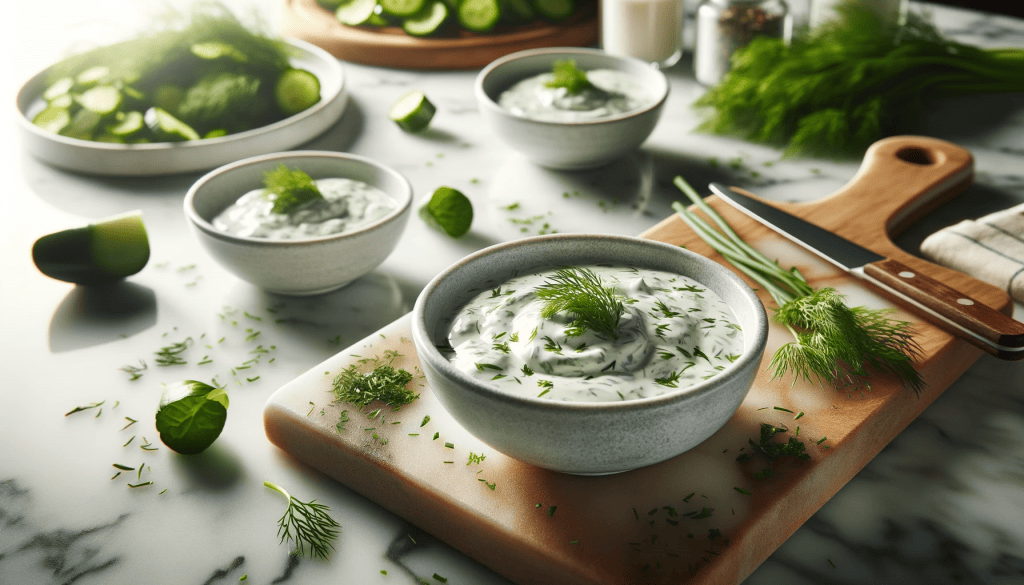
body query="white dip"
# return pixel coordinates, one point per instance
(347, 206)
(674, 333)
(614, 93)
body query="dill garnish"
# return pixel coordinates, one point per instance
(308, 524)
(569, 76)
(289, 189)
(580, 293)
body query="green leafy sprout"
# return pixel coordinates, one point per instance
(832, 342)
(580, 293)
(568, 75)
(289, 189)
(307, 524)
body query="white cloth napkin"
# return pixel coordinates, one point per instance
(990, 249)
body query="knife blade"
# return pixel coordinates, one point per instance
(950, 309)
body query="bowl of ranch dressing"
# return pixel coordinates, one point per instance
(317, 246)
(562, 129)
(672, 367)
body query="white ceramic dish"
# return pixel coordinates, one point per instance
(580, 437)
(298, 267)
(166, 158)
(569, 145)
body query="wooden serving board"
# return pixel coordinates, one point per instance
(702, 517)
(392, 47)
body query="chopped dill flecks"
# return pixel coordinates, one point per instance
(474, 458)
(742, 491)
(436, 435)
(551, 511)
(170, 355)
(134, 371)
(342, 419)
(384, 383)
(81, 408)
(426, 419)
(449, 445)
(440, 578)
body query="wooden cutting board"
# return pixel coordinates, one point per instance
(702, 517)
(392, 47)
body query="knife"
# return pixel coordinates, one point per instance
(955, 312)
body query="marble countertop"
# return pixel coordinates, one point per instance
(943, 503)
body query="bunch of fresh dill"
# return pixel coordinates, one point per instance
(834, 91)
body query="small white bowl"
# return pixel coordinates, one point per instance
(569, 145)
(306, 266)
(585, 438)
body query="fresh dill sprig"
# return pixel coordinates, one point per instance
(833, 343)
(307, 524)
(580, 293)
(289, 189)
(568, 75)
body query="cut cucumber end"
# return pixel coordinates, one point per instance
(296, 90)
(479, 15)
(355, 12)
(427, 22)
(168, 128)
(412, 112)
(106, 251)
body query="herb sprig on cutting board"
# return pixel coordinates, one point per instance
(834, 91)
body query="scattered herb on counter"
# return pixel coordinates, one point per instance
(580, 293)
(83, 408)
(836, 90)
(288, 190)
(384, 383)
(771, 450)
(832, 342)
(307, 524)
(448, 210)
(567, 75)
(134, 371)
(191, 416)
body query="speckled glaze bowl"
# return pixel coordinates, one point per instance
(575, 437)
(569, 145)
(298, 267)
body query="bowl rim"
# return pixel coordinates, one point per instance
(207, 228)
(425, 345)
(489, 103)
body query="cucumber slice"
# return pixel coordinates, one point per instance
(215, 50)
(296, 90)
(52, 119)
(402, 8)
(517, 11)
(105, 251)
(167, 128)
(63, 101)
(82, 125)
(412, 112)
(479, 15)
(128, 123)
(555, 9)
(102, 99)
(355, 12)
(92, 76)
(427, 22)
(60, 88)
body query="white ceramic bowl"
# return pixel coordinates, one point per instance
(569, 145)
(163, 158)
(577, 437)
(298, 267)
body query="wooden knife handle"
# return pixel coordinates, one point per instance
(971, 320)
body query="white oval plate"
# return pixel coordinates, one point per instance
(165, 158)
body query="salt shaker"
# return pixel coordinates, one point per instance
(725, 26)
(651, 30)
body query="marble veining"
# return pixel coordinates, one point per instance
(943, 503)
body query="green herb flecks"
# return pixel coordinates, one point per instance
(835, 90)
(591, 306)
(833, 343)
(307, 524)
(384, 383)
(289, 189)
(567, 75)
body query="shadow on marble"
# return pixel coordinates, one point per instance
(343, 133)
(438, 135)
(97, 314)
(218, 468)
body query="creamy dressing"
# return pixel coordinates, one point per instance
(348, 205)
(674, 333)
(614, 93)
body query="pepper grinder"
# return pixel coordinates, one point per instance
(725, 26)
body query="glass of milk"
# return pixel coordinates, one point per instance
(651, 30)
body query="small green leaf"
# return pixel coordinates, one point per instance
(191, 416)
(569, 76)
(289, 189)
(448, 210)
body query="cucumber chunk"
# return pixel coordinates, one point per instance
(479, 15)
(215, 50)
(127, 124)
(59, 88)
(555, 9)
(427, 22)
(355, 12)
(105, 251)
(102, 99)
(53, 119)
(412, 112)
(168, 128)
(92, 76)
(296, 90)
(402, 8)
